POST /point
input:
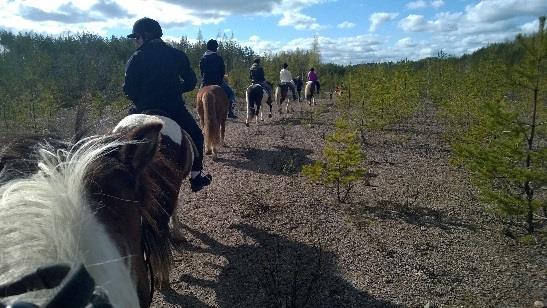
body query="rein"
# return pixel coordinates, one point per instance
(148, 264)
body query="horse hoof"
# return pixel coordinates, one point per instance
(208, 152)
(269, 116)
(247, 124)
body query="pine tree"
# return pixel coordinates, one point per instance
(342, 165)
(505, 150)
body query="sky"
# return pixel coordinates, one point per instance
(348, 31)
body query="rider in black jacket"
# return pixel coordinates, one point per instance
(156, 75)
(256, 74)
(212, 70)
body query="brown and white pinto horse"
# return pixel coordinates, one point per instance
(104, 202)
(212, 105)
(309, 92)
(282, 95)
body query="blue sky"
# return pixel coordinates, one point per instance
(353, 31)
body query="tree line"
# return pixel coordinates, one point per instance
(42, 75)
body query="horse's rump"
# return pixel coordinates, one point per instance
(254, 96)
(212, 105)
(310, 89)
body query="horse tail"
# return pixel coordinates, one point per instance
(211, 125)
(307, 91)
(250, 96)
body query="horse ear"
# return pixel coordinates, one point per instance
(141, 151)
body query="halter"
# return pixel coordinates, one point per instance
(76, 287)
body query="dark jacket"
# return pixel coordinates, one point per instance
(212, 68)
(153, 77)
(256, 73)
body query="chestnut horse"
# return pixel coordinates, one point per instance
(103, 202)
(212, 105)
(282, 95)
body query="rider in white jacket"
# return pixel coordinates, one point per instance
(285, 77)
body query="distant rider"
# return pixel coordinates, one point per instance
(212, 70)
(256, 74)
(285, 77)
(312, 76)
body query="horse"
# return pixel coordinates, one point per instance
(339, 90)
(281, 95)
(212, 105)
(256, 95)
(103, 202)
(309, 92)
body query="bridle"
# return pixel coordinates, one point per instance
(76, 287)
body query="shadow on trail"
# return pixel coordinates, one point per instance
(282, 160)
(172, 297)
(276, 272)
(411, 214)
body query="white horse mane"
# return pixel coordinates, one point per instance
(46, 219)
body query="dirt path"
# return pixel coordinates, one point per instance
(262, 236)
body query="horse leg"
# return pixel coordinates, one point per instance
(209, 149)
(248, 115)
(287, 107)
(176, 228)
(222, 130)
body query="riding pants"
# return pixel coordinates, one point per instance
(230, 93)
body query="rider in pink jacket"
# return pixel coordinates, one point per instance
(312, 76)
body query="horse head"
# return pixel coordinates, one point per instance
(99, 202)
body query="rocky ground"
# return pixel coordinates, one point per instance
(262, 236)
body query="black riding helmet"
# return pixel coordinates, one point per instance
(146, 25)
(212, 45)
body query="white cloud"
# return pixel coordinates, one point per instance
(416, 4)
(530, 27)
(299, 21)
(346, 25)
(497, 10)
(437, 3)
(414, 23)
(405, 43)
(420, 4)
(376, 19)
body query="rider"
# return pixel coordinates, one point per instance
(212, 70)
(256, 74)
(312, 76)
(285, 77)
(156, 75)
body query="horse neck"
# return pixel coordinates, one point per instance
(47, 218)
